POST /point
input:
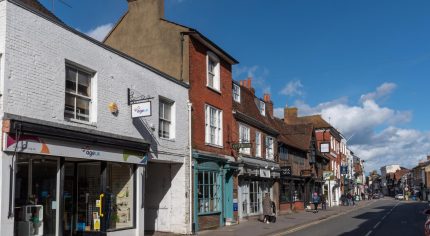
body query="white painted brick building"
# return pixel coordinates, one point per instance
(35, 51)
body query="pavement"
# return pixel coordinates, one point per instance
(286, 222)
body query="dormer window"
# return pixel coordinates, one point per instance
(262, 108)
(213, 71)
(236, 93)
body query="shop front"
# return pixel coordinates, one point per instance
(71, 183)
(213, 191)
(256, 177)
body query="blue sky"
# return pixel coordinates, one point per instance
(363, 65)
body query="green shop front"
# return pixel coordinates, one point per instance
(213, 191)
(70, 183)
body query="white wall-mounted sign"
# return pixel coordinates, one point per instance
(325, 147)
(141, 109)
(264, 173)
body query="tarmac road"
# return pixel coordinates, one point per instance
(384, 217)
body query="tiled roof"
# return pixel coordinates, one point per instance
(248, 107)
(37, 6)
(297, 136)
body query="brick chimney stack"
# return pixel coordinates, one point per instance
(247, 83)
(290, 115)
(269, 103)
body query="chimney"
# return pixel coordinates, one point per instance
(149, 9)
(290, 115)
(269, 104)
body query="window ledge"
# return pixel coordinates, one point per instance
(92, 124)
(168, 139)
(214, 89)
(214, 145)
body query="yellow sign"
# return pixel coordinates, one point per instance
(97, 224)
(98, 203)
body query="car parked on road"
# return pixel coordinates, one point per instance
(399, 197)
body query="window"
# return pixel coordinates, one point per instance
(213, 71)
(236, 93)
(269, 148)
(262, 108)
(257, 144)
(78, 94)
(209, 191)
(166, 128)
(283, 153)
(213, 127)
(244, 137)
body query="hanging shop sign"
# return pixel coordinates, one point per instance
(142, 109)
(343, 170)
(264, 173)
(32, 144)
(325, 147)
(237, 146)
(327, 175)
(306, 173)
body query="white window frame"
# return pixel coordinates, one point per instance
(216, 83)
(92, 115)
(262, 108)
(213, 124)
(236, 93)
(258, 144)
(244, 137)
(270, 153)
(171, 122)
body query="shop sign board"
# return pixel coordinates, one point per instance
(327, 175)
(45, 146)
(238, 146)
(325, 147)
(286, 171)
(343, 170)
(142, 109)
(264, 173)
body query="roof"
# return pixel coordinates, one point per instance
(37, 6)
(203, 39)
(248, 107)
(297, 136)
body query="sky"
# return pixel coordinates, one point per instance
(363, 65)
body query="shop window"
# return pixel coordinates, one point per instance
(120, 195)
(209, 192)
(166, 114)
(78, 94)
(286, 190)
(255, 197)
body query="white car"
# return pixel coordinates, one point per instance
(399, 196)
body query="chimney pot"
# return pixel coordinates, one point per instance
(290, 115)
(267, 97)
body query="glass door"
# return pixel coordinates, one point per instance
(254, 197)
(244, 196)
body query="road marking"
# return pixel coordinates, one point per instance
(374, 227)
(368, 233)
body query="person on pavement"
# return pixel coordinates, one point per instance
(315, 201)
(267, 208)
(323, 202)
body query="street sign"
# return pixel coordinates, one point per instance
(327, 175)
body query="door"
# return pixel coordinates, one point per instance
(228, 196)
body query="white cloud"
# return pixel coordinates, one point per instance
(257, 73)
(293, 88)
(100, 32)
(382, 91)
(375, 137)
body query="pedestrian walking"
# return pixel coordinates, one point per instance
(315, 201)
(353, 199)
(323, 202)
(267, 208)
(349, 199)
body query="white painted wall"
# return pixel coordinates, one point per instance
(34, 52)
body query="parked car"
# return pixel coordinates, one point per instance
(399, 196)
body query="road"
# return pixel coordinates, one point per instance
(384, 217)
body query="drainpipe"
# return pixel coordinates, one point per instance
(190, 160)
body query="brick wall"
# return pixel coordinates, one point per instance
(200, 95)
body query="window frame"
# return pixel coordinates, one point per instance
(76, 95)
(262, 107)
(247, 130)
(166, 101)
(209, 126)
(270, 155)
(236, 93)
(258, 144)
(216, 79)
(214, 192)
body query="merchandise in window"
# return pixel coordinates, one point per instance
(78, 94)
(209, 192)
